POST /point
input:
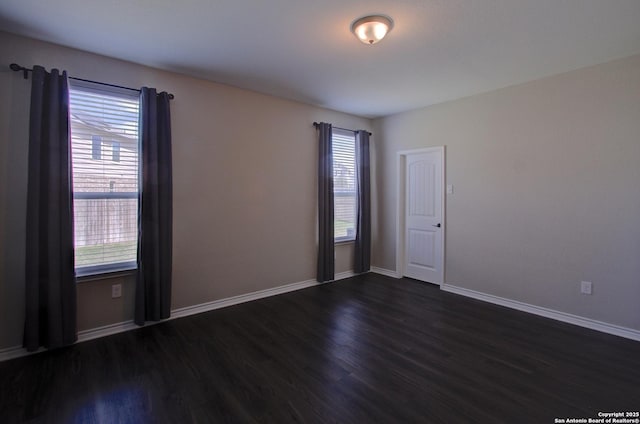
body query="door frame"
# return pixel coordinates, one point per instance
(401, 206)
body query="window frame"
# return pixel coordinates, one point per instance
(90, 272)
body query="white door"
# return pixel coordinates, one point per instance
(423, 217)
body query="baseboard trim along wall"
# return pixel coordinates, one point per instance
(592, 324)
(387, 272)
(107, 330)
(589, 323)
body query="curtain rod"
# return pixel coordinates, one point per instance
(315, 124)
(15, 67)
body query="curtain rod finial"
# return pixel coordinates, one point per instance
(15, 67)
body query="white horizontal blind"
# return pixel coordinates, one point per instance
(104, 146)
(344, 184)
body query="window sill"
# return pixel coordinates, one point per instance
(339, 242)
(105, 275)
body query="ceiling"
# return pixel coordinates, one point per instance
(303, 50)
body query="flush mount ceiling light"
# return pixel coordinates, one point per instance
(372, 29)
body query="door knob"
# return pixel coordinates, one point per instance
(437, 225)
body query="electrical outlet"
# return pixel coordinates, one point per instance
(586, 287)
(116, 291)
(449, 188)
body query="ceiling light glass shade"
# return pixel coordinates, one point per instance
(371, 29)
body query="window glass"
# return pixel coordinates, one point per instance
(105, 184)
(344, 185)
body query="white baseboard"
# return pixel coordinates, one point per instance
(83, 336)
(16, 352)
(107, 330)
(234, 300)
(592, 324)
(387, 272)
(343, 275)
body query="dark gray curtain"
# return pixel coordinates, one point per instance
(362, 260)
(326, 260)
(50, 319)
(153, 286)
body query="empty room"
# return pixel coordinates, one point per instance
(416, 211)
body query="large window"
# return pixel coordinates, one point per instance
(104, 146)
(344, 185)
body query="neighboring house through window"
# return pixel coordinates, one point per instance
(344, 185)
(105, 187)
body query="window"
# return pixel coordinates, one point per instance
(115, 151)
(96, 147)
(105, 187)
(344, 185)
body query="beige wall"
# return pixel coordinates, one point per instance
(545, 177)
(546, 182)
(244, 169)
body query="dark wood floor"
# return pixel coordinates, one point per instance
(369, 349)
